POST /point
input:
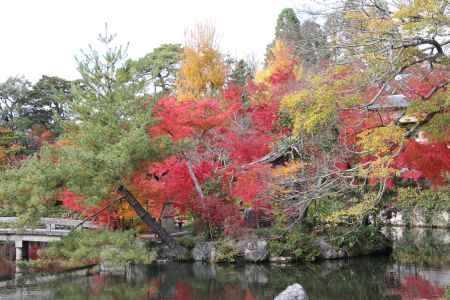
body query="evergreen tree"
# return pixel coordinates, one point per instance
(288, 26)
(160, 66)
(307, 38)
(104, 141)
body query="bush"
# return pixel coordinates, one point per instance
(113, 247)
(359, 236)
(187, 241)
(297, 244)
(226, 251)
(447, 294)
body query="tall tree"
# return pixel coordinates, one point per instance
(160, 66)
(307, 38)
(47, 101)
(104, 141)
(239, 71)
(13, 93)
(288, 26)
(202, 71)
(392, 62)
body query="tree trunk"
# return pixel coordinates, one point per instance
(179, 251)
(197, 186)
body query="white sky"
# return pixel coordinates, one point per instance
(43, 36)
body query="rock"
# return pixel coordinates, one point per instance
(441, 220)
(397, 219)
(168, 253)
(293, 292)
(115, 269)
(393, 233)
(280, 259)
(418, 217)
(204, 251)
(373, 245)
(327, 251)
(253, 250)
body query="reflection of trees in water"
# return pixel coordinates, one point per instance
(416, 287)
(6, 269)
(7, 250)
(365, 278)
(420, 246)
(330, 280)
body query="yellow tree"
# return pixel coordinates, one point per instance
(282, 61)
(202, 70)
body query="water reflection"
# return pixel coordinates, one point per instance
(418, 269)
(365, 278)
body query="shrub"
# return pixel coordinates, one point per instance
(226, 251)
(297, 244)
(114, 247)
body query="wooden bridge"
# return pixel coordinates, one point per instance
(48, 230)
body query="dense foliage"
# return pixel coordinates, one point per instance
(340, 115)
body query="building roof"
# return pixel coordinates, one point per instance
(390, 102)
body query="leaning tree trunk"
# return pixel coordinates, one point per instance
(179, 251)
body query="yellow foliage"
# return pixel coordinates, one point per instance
(353, 213)
(282, 58)
(291, 169)
(202, 71)
(310, 108)
(381, 140)
(427, 15)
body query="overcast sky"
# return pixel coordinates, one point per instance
(42, 36)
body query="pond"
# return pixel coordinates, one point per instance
(394, 277)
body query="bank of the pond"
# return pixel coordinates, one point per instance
(367, 278)
(412, 246)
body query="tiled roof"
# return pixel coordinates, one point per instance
(391, 101)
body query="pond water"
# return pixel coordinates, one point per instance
(394, 277)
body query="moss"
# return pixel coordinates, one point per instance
(358, 240)
(297, 243)
(187, 241)
(226, 251)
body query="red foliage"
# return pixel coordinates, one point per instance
(78, 203)
(227, 135)
(232, 93)
(183, 291)
(184, 119)
(252, 184)
(429, 160)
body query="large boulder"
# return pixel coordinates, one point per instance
(293, 292)
(441, 220)
(418, 218)
(375, 244)
(253, 250)
(204, 251)
(327, 251)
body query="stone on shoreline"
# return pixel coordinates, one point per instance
(293, 292)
